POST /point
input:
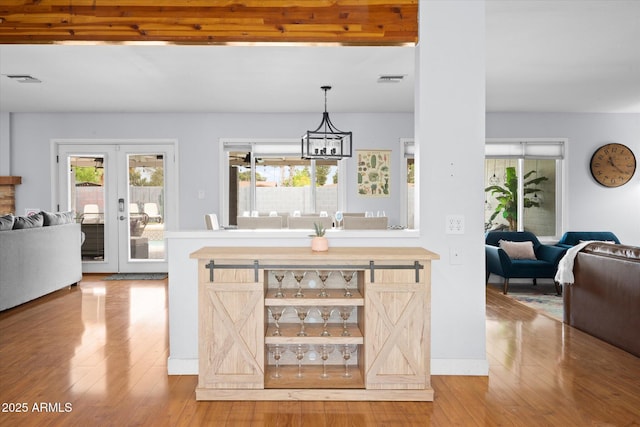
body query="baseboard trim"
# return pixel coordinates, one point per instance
(182, 366)
(475, 367)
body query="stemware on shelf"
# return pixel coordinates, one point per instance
(325, 314)
(345, 313)
(277, 350)
(299, 350)
(279, 275)
(346, 350)
(324, 350)
(303, 312)
(339, 217)
(347, 275)
(276, 313)
(323, 275)
(299, 275)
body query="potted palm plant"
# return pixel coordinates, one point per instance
(507, 195)
(319, 243)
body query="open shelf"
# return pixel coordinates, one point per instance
(289, 331)
(311, 377)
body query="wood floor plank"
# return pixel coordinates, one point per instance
(102, 348)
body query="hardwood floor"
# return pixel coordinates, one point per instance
(96, 355)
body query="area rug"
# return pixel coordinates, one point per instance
(541, 298)
(137, 276)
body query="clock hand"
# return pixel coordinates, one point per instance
(616, 166)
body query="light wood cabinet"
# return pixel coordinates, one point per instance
(388, 326)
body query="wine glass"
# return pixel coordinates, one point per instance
(324, 350)
(303, 312)
(323, 275)
(299, 275)
(325, 313)
(346, 350)
(277, 350)
(279, 275)
(339, 216)
(345, 313)
(299, 350)
(347, 275)
(276, 313)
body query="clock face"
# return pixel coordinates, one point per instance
(613, 165)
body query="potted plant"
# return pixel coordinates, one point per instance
(507, 196)
(319, 243)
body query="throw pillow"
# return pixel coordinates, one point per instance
(518, 250)
(6, 222)
(57, 218)
(31, 221)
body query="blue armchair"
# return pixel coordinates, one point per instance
(499, 263)
(572, 238)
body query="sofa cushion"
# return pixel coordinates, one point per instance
(57, 218)
(6, 222)
(31, 221)
(518, 250)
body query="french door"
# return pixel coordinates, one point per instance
(121, 195)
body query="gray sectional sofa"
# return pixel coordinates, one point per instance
(39, 254)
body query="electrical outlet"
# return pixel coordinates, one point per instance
(455, 224)
(200, 194)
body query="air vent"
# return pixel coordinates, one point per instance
(391, 78)
(23, 78)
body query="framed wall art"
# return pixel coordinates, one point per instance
(374, 173)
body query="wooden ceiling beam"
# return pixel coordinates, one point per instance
(364, 22)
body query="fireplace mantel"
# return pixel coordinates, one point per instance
(10, 180)
(8, 194)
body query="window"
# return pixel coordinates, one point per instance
(268, 176)
(523, 182)
(408, 190)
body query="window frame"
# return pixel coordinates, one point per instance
(535, 149)
(266, 147)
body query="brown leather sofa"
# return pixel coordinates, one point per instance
(604, 299)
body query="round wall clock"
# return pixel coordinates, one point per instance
(613, 165)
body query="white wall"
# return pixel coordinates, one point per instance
(5, 145)
(589, 206)
(198, 136)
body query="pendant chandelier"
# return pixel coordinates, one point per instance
(327, 141)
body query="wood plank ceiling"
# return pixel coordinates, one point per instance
(346, 22)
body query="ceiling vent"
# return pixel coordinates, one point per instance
(23, 78)
(391, 78)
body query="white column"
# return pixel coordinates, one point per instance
(449, 133)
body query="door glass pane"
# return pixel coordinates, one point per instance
(540, 197)
(87, 200)
(146, 207)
